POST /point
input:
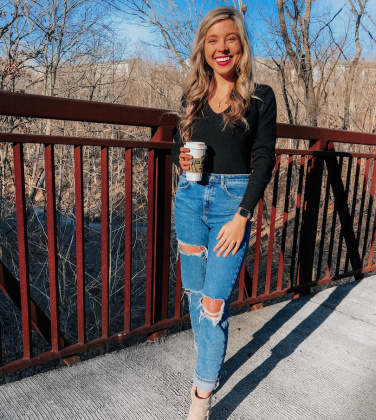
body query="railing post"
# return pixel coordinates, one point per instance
(310, 218)
(162, 183)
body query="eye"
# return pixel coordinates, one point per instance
(211, 41)
(232, 38)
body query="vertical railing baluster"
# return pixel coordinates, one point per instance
(105, 240)
(80, 248)
(128, 239)
(241, 282)
(362, 204)
(335, 212)
(342, 230)
(178, 288)
(333, 229)
(284, 222)
(150, 239)
(350, 251)
(323, 233)
(164, 229)
(273, 215)
(256, 263)
(1, 344)
(370, 208)
(298, 206)
(52, 245)
(23, 257)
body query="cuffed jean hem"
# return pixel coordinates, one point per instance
(204, 385)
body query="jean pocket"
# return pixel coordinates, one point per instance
(235, 189)
(183, 183)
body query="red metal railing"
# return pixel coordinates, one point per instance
(316, 224)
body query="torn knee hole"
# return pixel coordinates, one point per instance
(191, 249)
(213, 307)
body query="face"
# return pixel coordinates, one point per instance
(223, 48)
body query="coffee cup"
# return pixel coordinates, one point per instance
(198, 150)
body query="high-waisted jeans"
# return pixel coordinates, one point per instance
(201, 209)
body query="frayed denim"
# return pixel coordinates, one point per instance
(201, 209)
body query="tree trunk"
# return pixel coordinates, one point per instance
(354, 63)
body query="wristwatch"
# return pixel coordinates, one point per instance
(244, 213)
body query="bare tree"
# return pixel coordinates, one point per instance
(64, 28)
(357, 10)
(294, 23)
(174, 23)
(308, 52)
(16, 49)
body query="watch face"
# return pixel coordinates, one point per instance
(245, 213)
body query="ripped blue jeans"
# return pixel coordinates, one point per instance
(201, 209)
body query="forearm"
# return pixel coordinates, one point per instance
(175, 152)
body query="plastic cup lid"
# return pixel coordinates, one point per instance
(195, 145)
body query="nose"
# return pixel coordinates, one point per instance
(222, 46)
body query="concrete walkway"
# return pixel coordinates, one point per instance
(312, 358)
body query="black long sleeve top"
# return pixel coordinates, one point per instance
(237, 150)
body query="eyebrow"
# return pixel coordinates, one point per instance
(231, 33)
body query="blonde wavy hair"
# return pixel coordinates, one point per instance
(200, 83)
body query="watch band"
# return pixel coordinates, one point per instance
(244, 213)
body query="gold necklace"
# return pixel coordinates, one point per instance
(219, 101)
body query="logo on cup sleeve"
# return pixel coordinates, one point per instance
(197, 165)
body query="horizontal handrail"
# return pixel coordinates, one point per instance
(84, 141)
(330, 134)
(39, 106)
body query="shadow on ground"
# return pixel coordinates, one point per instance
(282, 350)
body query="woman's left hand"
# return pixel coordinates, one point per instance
(231, 236)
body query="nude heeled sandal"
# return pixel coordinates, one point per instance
(199, 408)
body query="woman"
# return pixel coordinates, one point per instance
(223, 107)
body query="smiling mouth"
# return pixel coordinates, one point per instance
(223, 61)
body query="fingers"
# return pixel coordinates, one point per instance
(236, 248)
(228, 241)
(184, 164)
(225, 246)
(220, 234)
(219, 243)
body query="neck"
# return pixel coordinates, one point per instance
(224, 85)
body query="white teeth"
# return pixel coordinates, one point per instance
(223, 58)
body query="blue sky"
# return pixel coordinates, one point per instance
(257, 27)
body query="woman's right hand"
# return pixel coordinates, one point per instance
(184, 164)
